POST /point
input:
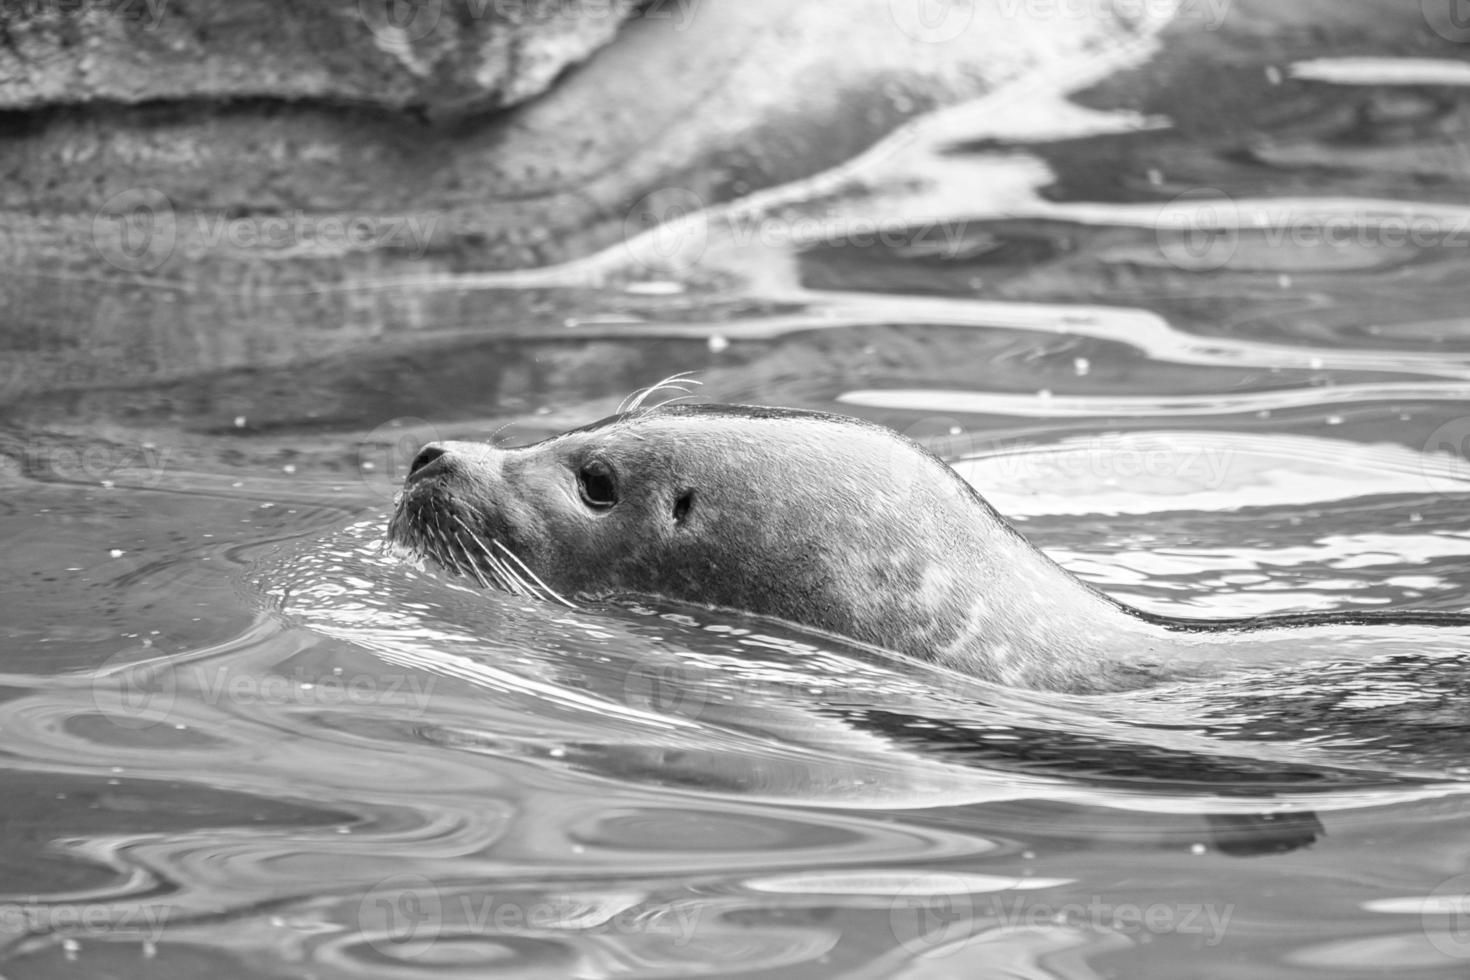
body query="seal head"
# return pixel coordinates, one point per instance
(820, 520)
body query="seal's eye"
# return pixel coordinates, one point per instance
(595, 482)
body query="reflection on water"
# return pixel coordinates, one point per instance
(1199, 331)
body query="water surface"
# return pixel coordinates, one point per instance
(1192, 318)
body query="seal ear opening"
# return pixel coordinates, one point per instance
(682, 506)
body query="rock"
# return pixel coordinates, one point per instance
(444, 58)
(185, 236)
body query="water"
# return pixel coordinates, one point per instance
(241, 738)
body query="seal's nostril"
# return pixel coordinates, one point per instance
(426, 456)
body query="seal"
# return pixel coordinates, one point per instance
(825, 521)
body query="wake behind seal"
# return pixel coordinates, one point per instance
(824, 521)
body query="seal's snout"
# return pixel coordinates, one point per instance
(426, 457)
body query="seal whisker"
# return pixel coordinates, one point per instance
(534, 577)
(448, 550)
(475, 567)
(508, 578)
(673, 382)
(672, 401)
(452, 552)
(495, 436)
(503, 576)
(510, 581)
(460, 560)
